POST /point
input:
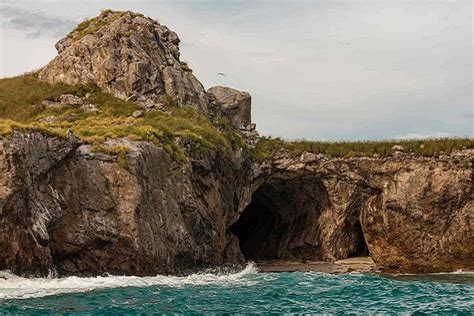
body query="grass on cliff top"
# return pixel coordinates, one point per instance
(90, 26)
(21, 109)
(267, 147)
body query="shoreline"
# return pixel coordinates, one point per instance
(356, 264)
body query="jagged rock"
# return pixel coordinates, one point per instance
(250, 137)
(131, 209)
(307, 157)
(70, 99)
(24, 161)
(66, 208)
(150, 105)
(236, 105)
(410, 214)
(128, 55)
(75, 210)
(251, 127)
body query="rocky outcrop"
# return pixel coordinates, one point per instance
(128, 55)
(64, 208)
(234, 104)
(24, 215)
(411, 214)
(67, 209)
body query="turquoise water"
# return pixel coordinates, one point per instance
(243, 292)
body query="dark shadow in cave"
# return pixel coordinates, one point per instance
(361, 248)
(254, 227)
(282, 222)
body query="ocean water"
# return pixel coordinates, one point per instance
(243, 292)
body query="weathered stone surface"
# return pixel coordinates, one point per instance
(411, 214)
(79, 212)
(70, 99)
(128, 55)
(65, 208)
(235, 104)
(24, 215)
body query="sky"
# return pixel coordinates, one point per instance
(320, 70)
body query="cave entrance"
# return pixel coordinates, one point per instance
(255, 226)
(279, 221)
(360, 249)
(295, 220)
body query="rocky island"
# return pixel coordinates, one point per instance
(115, 159)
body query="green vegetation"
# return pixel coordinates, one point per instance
(21, 108)
(119, 151)
(267, 147)
(90, 26)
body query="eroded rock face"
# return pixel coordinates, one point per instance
(64, 208)
(234, 104)
(67, 209)
(411, 214)
(24, 215)
(128, 55)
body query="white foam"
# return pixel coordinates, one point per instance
(15, 287)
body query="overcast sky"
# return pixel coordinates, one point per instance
(322, 69)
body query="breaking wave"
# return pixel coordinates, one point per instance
(241, 292)
(15, 287)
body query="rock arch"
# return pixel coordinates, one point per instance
(299, 216)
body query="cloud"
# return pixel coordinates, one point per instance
(34, 24)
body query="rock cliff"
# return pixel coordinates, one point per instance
(128, 55)
(409, 213)
(69, 209)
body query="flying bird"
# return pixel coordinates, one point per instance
(222, 74)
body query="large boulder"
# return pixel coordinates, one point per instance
(234, 104)
(128, 55)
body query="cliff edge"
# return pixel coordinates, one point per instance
(118, 161)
